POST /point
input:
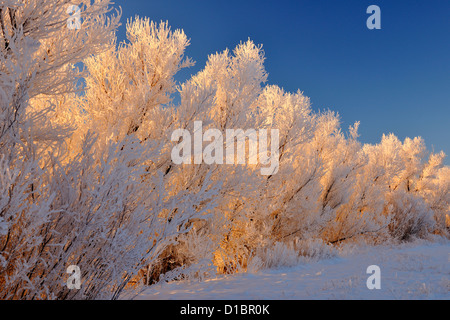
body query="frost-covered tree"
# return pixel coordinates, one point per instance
(71, 192)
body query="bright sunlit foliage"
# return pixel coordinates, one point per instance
(86, 176)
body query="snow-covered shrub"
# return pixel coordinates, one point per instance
(410, 216)
(283, 254)
(276, 256)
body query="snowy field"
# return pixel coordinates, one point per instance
(414, 271)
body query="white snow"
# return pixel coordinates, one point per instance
(419, 271)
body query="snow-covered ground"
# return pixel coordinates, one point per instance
(419, 271)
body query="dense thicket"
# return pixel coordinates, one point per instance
(86, 176)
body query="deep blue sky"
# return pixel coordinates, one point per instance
(396, 79)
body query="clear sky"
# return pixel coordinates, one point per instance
(396, 79)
